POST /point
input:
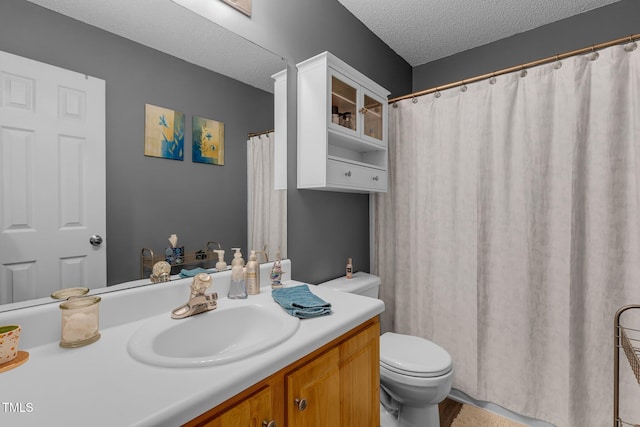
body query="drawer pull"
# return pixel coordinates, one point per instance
(347, 173)
(375, 178)
(271, 423)
(301, 404)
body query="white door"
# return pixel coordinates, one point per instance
(52, 179)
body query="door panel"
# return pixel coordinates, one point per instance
(52, 193)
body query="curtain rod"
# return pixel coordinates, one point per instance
(251, 135)
(547, 60)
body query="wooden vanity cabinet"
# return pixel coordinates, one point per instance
(337, 385)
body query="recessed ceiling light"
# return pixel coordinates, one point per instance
(243, 6)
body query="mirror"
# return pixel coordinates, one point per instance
(156, 52)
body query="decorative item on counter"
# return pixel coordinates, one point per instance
(276, 273)
(220, 265)
(80, 321)
(161, 272)
(69, 292)
(9, 338)
(174, 254)
(349, 268)
(10, 356)
(252, 275)
(237, 286)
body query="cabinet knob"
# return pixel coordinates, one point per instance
(271, 423)
(301, 404)
(347, 173)
(375, 178)
(363, 110)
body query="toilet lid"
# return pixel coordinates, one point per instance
(413, 356)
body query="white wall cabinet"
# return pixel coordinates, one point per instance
(342, 128)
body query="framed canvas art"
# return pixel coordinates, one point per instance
(208, 141)
(163, 133)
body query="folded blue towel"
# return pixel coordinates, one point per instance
(192, 273)
(298, 301)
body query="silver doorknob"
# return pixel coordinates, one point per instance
(95, 240)
(301, 404)
(347, 173)
(271, 423)
(375, 178)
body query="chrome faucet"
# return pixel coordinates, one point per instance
(199, 302)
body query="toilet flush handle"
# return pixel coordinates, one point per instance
(301, 404)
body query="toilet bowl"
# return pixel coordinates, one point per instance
(415, 374)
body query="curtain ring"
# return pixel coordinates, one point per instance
(558, 64)
(523, 71)
(414, 99)
(394, 105)
(594, 54)
(437, 94)
(463, 88)
(493, 79)
(631, 46)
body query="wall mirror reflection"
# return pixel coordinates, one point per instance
(202, 70)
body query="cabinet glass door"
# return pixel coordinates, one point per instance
(343, 104)
(372, 117)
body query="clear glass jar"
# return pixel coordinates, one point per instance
(80, 321)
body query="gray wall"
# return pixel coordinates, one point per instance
(596, 26)
(325, 228)
(150, 198)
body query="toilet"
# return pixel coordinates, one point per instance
(415, 374)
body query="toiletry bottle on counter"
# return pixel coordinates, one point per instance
(237, 286)
(349, 268)
(237, 258)
(220, 265)
(252, 275)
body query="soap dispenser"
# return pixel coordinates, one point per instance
(237, 286)
(252, 275)
(220, 265)
(237, 258)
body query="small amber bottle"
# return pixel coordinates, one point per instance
(349, 268)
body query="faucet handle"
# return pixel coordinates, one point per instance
(200, 283)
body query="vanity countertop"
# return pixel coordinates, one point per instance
(102, 385)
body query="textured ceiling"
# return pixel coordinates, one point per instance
(421, 31)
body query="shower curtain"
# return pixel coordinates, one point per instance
(511, 232)
(267, 208)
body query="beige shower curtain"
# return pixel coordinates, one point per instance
(511, 233)
(267, 208)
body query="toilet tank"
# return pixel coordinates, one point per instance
(362, 284)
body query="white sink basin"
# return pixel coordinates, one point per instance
(220, 336)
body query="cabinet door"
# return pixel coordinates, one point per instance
(360, 379)
(313, 396)
(251, 412)
(345, 96)
(372, 114)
